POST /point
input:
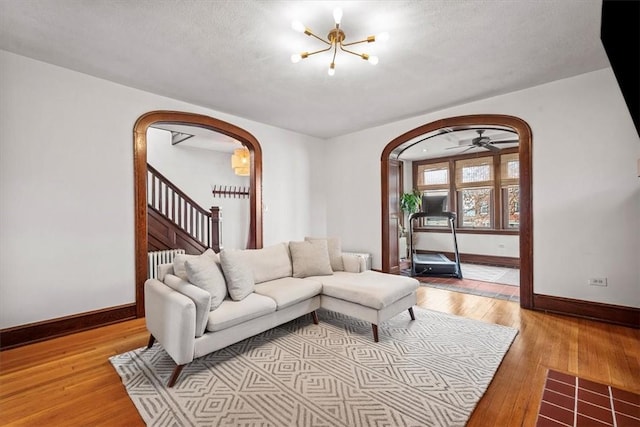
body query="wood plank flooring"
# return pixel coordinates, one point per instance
(68, 381)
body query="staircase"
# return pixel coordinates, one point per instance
(176, 221)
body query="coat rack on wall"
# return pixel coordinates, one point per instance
(231, 191)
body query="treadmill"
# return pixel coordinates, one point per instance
(435, 264)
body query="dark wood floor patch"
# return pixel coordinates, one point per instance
(568, 400)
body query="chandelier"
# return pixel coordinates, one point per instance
(335, 40)
(240, 161)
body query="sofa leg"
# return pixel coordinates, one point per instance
(152, 339)
(375, 332)
(315, 317)
(413, 317)
(174, 375)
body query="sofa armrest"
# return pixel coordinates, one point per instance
(171, 318)
(200, 297)
(354, 263)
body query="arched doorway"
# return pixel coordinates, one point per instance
(140, 184)
(389, 191)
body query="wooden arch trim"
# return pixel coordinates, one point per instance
(140, 181)
(526, 214)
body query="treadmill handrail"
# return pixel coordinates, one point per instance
(444, 214)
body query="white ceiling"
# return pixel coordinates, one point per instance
(202, 138)
(233, 56)
(452, 142)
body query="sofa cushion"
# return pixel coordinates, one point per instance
(238, 274)
(207, 274)
(163, 270)
(289, 290)
(272, 262)
(179, 268)
(231, 313)
(353, 263)
(200, 298)
(310, 258)
(334, 246)
(369, 288)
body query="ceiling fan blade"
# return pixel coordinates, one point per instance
(506, 141)
(490, 147)
(467, 149)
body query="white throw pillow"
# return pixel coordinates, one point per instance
(310, 258)
(239, 275)
(270, 263)
(352, 263)
(334, 247)
(179, 268)
(206, 273)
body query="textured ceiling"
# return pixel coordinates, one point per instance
(234, 56)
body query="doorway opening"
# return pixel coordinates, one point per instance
(140, 182)
(391, 180)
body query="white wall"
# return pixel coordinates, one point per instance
(66, 188)
(586, 193)
(500, 245)
(195, 171)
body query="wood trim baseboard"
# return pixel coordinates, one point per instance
(609, 313)
(498, 261)
(39, 331)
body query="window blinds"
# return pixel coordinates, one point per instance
(477, 172)
(434, 176)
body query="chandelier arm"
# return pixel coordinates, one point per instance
(361, 55)
(319, 51)
(319, 38)
(367, 40)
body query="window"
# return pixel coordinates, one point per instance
(484, 191)
(433, 180)
(510, 181)
(474, 186)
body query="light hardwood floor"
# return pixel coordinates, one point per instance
(68, 381)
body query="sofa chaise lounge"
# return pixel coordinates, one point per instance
(202, 303)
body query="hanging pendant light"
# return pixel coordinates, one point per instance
(240, 161)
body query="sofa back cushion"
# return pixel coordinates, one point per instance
(179, 267)
(237, 273)
(206, 273)
(269, 263)
(334, 247)
(310, 258)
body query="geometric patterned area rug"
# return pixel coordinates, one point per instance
(428, 372)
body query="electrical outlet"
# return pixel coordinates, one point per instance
(598, 281)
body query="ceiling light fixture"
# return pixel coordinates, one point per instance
(240, 161)
(335, 40)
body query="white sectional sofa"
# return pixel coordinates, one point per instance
(202, 303)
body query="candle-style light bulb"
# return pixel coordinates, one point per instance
(298, 26)
(382, 37)
(337, 15)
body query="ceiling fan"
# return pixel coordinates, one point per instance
(485, 142)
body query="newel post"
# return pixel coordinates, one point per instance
(215, 228)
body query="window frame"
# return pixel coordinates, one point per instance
(499, 215)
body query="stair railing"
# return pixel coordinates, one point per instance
(169, 201)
